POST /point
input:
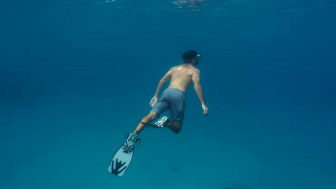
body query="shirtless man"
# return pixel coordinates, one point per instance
(173, 98)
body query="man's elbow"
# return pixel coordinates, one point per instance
(197, 86)
(164, 80)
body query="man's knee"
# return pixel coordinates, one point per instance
(176, 131)
(175, 127)
(152, 116)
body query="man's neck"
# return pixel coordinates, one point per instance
(190, 64)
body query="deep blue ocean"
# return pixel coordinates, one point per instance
(77, 75)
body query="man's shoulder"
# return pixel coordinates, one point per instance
(196, 70)
(174, 67)
(181, 65)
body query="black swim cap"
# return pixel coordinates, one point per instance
(189, 56)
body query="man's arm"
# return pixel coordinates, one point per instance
(199, 92)
(163, 80)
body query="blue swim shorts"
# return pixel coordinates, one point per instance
(172, 99)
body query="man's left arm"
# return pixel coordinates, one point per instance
(199, 91)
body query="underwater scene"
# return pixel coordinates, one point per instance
(77, 76)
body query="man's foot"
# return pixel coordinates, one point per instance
(132, 139)
(128, 146)
(162, 122)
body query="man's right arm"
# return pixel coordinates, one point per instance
(163, 80)
(199, 91)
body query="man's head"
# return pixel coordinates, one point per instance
(191, 57)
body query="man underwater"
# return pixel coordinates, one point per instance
(173, 98)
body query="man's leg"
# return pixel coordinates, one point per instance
(174, 126)
(147, 119)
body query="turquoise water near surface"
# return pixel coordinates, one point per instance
(77, 75)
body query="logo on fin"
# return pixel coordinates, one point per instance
(128, 148)
(116, 170)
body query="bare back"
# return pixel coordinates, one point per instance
(182, 76)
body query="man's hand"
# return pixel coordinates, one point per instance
(153, 101)
(205, 109)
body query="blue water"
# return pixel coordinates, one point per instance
(76, 75)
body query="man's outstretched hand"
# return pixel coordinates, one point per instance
(153, 101)
(205, 109)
